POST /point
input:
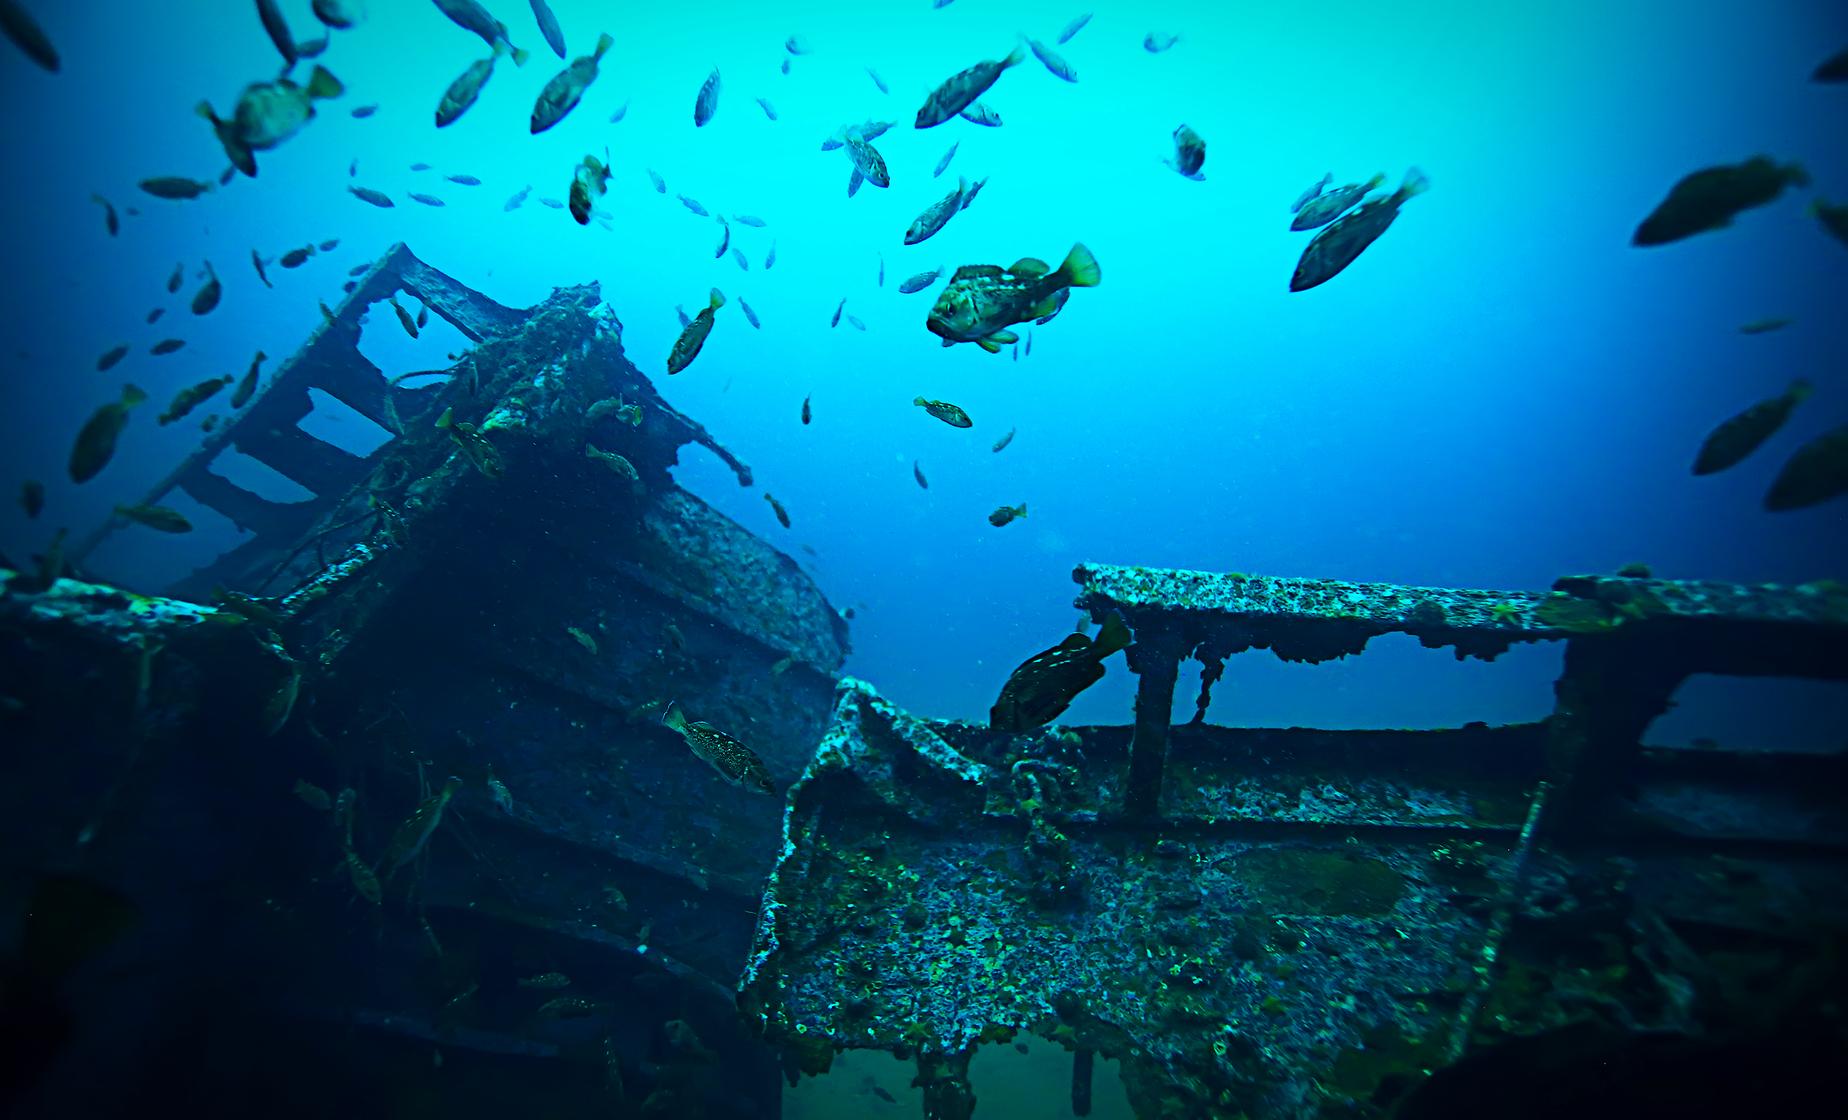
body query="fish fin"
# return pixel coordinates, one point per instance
(1030, 266)
(672, 718)
(519, 56)
(947, 343)
(989, 344)
(1020, 510)
(323, 85)
(1013, 58)
(133, 395)
(1079, 269)
(1378, 178)
(1799, 391)
(1113, 636)
(919, 401)
(853, 182)
(1005, 337)
(604, 43)
(1796, 174)
(204, 109)
(1416, 183)
(448, 418)
(716, 300)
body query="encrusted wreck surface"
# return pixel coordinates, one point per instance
(1302, 923)
(481, 597)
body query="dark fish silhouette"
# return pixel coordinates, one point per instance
(1045, 684)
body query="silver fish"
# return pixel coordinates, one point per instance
(978, 113)
(944, 163)
(769, 109)
(1052, 60)
(749, 315)
(1073, 28)
(921, 281)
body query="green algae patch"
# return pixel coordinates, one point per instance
(1306, 881)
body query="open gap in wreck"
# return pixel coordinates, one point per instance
(333, 421)
(384, 342)
(1776, 714)
(258, 477)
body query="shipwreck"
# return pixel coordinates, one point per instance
(1260, 923)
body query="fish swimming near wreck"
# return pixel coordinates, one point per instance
(96, 442)
(1738, 437)
(693, 336)
(1817, 472)
(267, 113)
(1045, 684)
(566, 89)
(982, 301)
(737, 763)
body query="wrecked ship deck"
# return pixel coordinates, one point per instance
(1302, 923)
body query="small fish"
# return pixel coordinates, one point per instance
(785, 67)
(1743, 434)
(732, 759)
(1817, 472)
(724, 239)
(749, 315)
(1005, 514)
(352, 172)
(192, 397)
(1832, 69)
(877, 80)
(267, 113)
(945, 411)
(1311, 192)
(155, 314)
(739, 259)
(868, 130)
(167, 346)
(1156, 42)
(518, 200)
(581, 638)
(32, 497)
(210, 423)
(770, 257)
(423, 316)
(278, 28)
(1711, 199)
(707, 103)
(854, 322)
(111, 357)
(207, 297)
(881, 269)
(1029, 350)
(868, 162)
(175, 188)
(776, 507)
(1765, 326)
(960, 90)
(110, 221)
(1189, 154)
(884, 1095)
(807, 413)
(936, 215)
(769, 109)
(842, 306)
(404, 317)
(781, 666)
(660, 184)
(1324, 208)
(247, 388)
(546, 981)
(361, 112)
(548, 27)
(919, 282)
(693, 337)
(469, 15)
(566, 89)
(917, 472)
(621, 112)
(693, 204)
(359, 270)
(979, 113)
(1073, 28)
(426, 199)
(464, 91)
(749, 220)
(588, 183)
(295, 258)
(685, 319)
(313, 796)
(340, 14)
(566, 1007)
(376, 198)
(501, 796)
(982, 301)
(1336, 247)
(616, 463)
(551, 204)
(26, 34)
(414, 834)
(262, 267)
(177, 277)
(1834, 218)
(420, 166)
(1052, 60)
(158, 518)
(673, 635)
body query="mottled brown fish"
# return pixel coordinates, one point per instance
(156, 517)
(546, 981)
(463, 92)
(1834, 218)
(1005, 514)
(267, 113)
(96, 442)
(404, 317)
(209, 293)
(175, 188)
(1711, 199)
(616, 463)
(983, 300)
(412, 836)
(1045, 684)
(566, 89)
(693, 337)
(807, 413)
(1338, 246)
(111, 357)
(475, 446)
(1004, 440)
(732, 759)
(1738, 437)
(945, 411)
(192, 397)
(960, 90)
(110, 220)
(1765, 326)
(776, 507)
(247, 388)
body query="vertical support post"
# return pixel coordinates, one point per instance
(1082, 1063)
(945, 1081)
(1612, 687)
(1156, 660)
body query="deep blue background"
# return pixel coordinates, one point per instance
(1499, 392)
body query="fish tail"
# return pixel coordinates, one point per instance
(604, 43)
(1416, 183)
(1020, 510)
(717, 299)
(919, 401)
(519, 56)
(1113, 636)
(1079, 269)
(323, 85)
(1814, 209)
(1013, 58)
(1799, 391)
(204, 109)
(672, 719)
(133, 395)
(1796, 174)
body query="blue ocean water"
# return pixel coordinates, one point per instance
(1500, 391)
